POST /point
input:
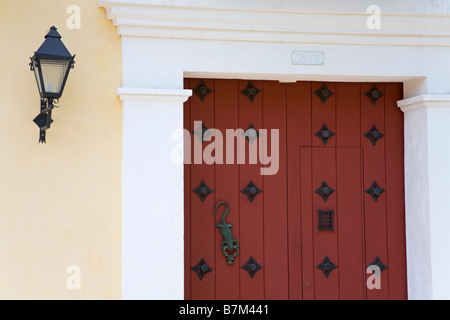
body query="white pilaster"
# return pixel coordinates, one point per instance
(427, 187)
(152, 195)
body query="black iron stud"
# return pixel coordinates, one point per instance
(250, 91)
(201, 269)
(203, 190)
(326, 220)
(202, 132)
(323, 93)
(251, 191)
(373, 135)
(324, 134)
(251, 134)
(251, 267)
(202, 90)
(326, 266)
(324, 191)
(375, 191)
(374, 94)
(377, 262)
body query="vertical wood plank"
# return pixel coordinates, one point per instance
(251, 213)
(202, 218)
(374, 170)
(349, 192)
(395, 193)
(349, 223)
(325, 242)
(298, 118)
(227, 185)
(307, 216)
(187, 205)
(275, 195)
(324, 169)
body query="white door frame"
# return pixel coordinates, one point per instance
(162, 44)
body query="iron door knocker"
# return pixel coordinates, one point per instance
(230, 246)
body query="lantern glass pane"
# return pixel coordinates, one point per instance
(53, 73)
(36, 74)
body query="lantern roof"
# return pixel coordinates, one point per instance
(53, 47)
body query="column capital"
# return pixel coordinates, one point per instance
(424, 101)
(160, 95)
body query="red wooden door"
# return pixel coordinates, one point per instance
(334, 206)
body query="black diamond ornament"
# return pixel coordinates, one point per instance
(323, 93)
(251, 134)
(201, 269)
(202, 132)
(202, 90)
(324, 191)
(251, 267)
(203, 190)
(324, 134)
(373, 135)
(250, 91)
(375, 191)
(326, 266)
(251, 191)
(374, 94)
(377, 262)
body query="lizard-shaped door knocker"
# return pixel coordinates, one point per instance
(230, 246)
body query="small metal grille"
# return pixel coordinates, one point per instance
(326, 220)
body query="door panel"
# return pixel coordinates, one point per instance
(374, 172)
(394, 184)
(201, 212)
(275, 194)
(350, 222)
(340, 168)
(347, 135)
(252, 213)
(226, 187)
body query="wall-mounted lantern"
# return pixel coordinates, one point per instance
(51, 64)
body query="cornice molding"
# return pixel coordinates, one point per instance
(160, 95)
(424, 101)
(207, 20)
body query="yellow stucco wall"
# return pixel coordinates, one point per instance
(60, 202)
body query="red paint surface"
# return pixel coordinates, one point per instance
(280, 227)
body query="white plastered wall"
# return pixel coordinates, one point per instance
(164, 42)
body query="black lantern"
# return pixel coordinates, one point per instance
(51, 64)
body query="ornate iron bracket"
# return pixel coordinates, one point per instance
(323, 93)
(201, 269)
(201, 90)
(203, 190)
(250, 91)
(230, 246)
(324, 134)
(374, 94)
(251, 191)
(373, 135)
(44, 118)
(326, 266)
(375, 191)
(251, 267)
